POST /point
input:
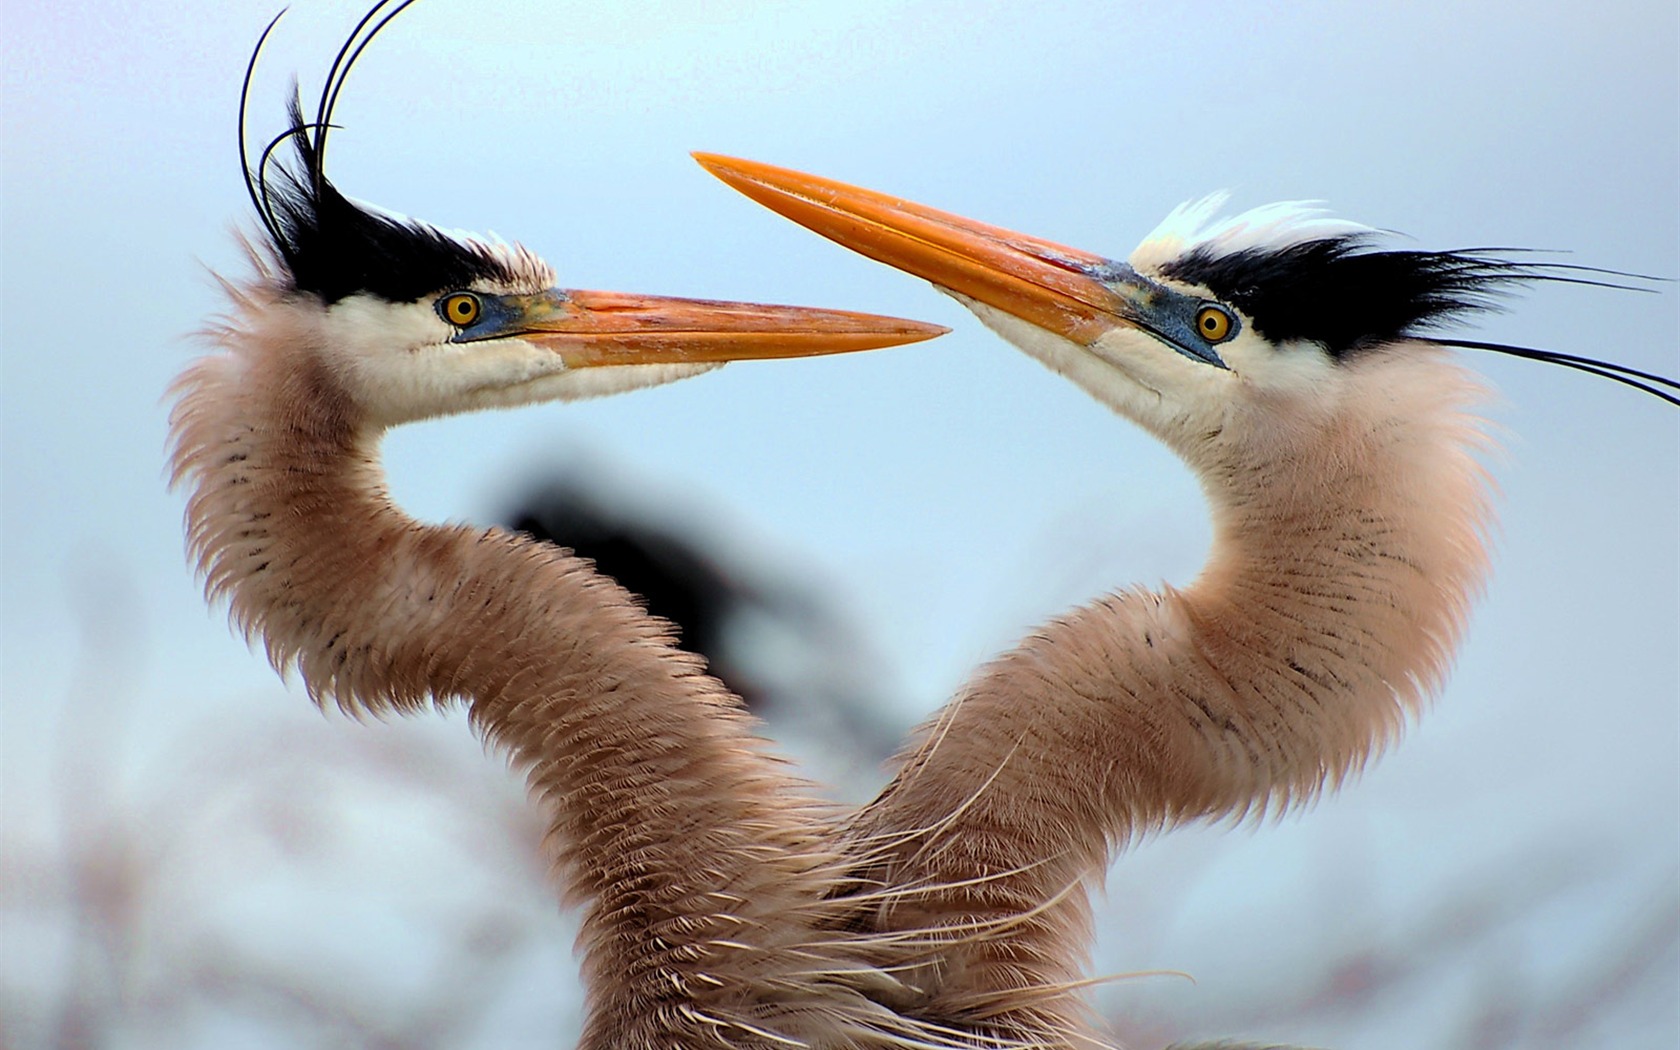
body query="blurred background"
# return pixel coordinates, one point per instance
(192, 856)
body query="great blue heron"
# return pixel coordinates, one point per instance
(702, 865)
(1286, 358)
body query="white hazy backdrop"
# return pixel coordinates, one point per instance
(1507, 877)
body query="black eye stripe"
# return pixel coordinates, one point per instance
(1344, 293)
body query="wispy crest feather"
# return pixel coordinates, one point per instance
(329, 245)
(1198, 224)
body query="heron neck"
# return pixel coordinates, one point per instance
(1328, 611)
(672, 825)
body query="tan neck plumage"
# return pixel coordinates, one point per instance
(699, 861)
(1329, 610)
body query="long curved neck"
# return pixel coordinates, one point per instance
(1329, 609)
(699, 860)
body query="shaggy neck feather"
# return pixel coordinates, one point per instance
(1327, 613)
(700, 862)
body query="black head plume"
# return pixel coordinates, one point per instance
(331, 246)
(1342, 294)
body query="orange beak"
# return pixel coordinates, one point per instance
(1064, 290)
(591, 329)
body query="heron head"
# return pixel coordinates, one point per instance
(415, 321)
(1224, 337)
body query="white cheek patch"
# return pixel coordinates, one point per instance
(367, 327)
(1128, 370)
(400, 365)
(1293, 368)
(381, 351)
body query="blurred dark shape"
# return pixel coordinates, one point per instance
(772, 641)
(676, 579)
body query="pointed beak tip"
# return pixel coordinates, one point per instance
(736, 172)
(898, 331)
(716, 163)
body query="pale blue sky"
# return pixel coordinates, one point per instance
(952, 493)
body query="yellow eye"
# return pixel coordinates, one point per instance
(460, 309)
(1213, 324)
